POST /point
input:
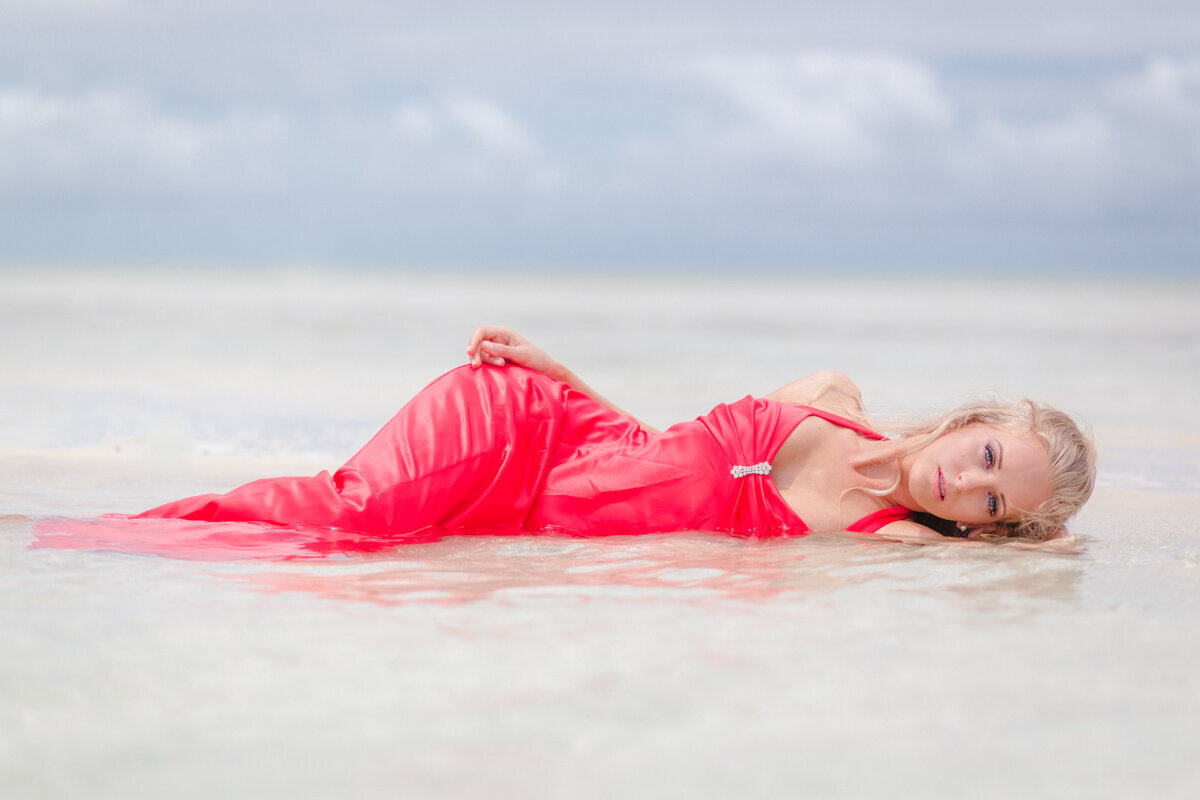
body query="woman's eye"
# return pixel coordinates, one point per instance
(988, 455)
(993, 505)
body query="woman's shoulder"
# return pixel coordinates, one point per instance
(828, 390)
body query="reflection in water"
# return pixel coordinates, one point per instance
(213, 541)
(436, 567)
(693, 565)
(466, 568)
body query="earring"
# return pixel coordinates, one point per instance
(962, 526)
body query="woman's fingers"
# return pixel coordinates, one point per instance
(499, 345)
(488, 333)
(495, 333)
(516, 352)
(477, 336)
(497, 353)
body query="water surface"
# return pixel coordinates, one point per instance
(690, 665)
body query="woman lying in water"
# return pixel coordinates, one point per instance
(514, 442)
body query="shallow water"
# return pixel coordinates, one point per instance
(690, 665)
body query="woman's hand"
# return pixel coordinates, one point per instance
(498, 345)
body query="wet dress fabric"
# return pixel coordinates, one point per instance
(507, 449)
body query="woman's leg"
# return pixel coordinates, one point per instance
(470, 450)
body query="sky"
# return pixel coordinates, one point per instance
(925, 135)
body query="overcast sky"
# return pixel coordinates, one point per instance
(945, 134)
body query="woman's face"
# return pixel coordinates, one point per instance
(980, 474)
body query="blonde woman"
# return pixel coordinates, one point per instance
(514, 442)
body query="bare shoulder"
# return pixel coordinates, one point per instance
(828, 390)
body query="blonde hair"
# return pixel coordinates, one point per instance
(1070, 449)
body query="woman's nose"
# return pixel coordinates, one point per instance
(967, 480)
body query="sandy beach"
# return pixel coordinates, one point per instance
(666, 666)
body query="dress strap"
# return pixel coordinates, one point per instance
(837, 419)
(877, 519)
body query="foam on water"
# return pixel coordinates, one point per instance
(669, 666)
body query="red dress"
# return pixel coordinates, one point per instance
(507, 449)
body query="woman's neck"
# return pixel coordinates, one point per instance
(883, 464)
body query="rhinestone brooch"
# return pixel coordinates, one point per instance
(741, 470)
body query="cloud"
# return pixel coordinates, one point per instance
(1158, 108)
(889, 135)
(825, 107)
(1167, 87)
(1131, 144)
(491, 126)
(484, 123)
(662, 141)
(415, 123)
(116, 139)
(470, 140)
(1063, 164)
(57, 8)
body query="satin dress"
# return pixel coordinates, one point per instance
(511, 450)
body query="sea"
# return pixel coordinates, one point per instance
(689, 665)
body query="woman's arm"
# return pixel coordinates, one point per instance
(911, 532)
(498, 345)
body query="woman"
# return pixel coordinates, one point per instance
(515, 442)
